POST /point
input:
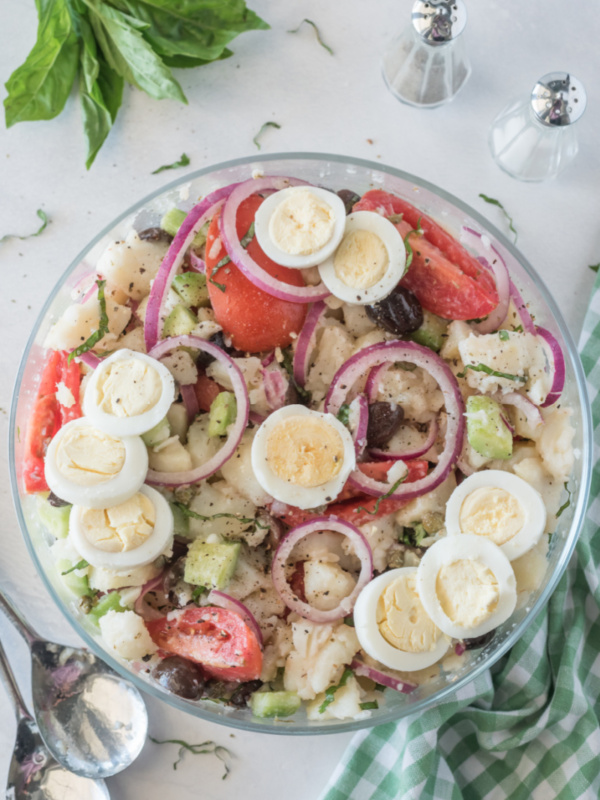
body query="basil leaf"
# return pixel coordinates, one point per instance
(188, 62)
(262, 130)
(42, 215)
(409, 251)
(492, 201)
(385, 496)
(97, 335)
(183, 162)
(39, 88)
(344, 414)
(567, 502)
(331, 690)
(317, 33)
(221, 752)
(494, 372)
(594, 267)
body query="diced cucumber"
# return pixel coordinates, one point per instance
(487, 432)
(109, 602)
(181, 523)
(54, 518)
(171, 222)
(78, 584)
(274, 704)
(178, 420)
(432, 331)
(191, 287)
(211, 564)
(179, 322)
(223, 411)
(157, 434)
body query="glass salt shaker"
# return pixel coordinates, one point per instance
(427, 63)
(535, 139)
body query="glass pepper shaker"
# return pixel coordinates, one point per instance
(534, 139)
(427, 63)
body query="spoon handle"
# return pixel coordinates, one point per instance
(18, 620)
(10, 684)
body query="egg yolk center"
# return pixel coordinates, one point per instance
(467, 591)
(122, 527)
(402, 620)
(302, 224)
(493, 513)
(128, 388)
(305, 452)
(361, 260)
(88, 457)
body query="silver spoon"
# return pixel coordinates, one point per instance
(33, 773)
(93, 721)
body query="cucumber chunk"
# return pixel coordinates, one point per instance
(223, 411)
(54, 518)
(487, 432)
(274, 704)
(157, 434)
(179, 322)
(432, 332)
(78, 584)
(171, 222)
(109, 602)
(191, 287)
(211, 564)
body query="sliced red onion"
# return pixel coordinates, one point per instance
(358, 422)
(558, 359)
(190, 226)
(522, 309)
(307, 339)
(360, 668)
(256, 418)
(236, 430)
(222, 600)
(239, 255)
(493, 261)
(190, 401)
(459, 648)
(359, 364)
(196, 263)
(287, 544)
(141, 607)
(529, 410)
(90, 359)
(276, 387)
(508, 425)
(372, 384)
(408, 455)
(268, 360)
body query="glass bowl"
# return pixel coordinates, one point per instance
(335, 172)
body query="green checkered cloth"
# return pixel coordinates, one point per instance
(528, 729)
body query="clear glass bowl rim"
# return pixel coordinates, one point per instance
(511, 639)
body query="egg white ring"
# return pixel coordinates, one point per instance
(158, 542)
(467, 546)
(300, 496)
(128, 426)
(106, 493)
(529, 499)
(396, 251)
(265, 212)
(367, 629)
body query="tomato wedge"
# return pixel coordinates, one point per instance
(254, 320)
(206, 391)
(446, 278)
(216, 638)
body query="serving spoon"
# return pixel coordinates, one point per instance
(33, 773)
(93, 721)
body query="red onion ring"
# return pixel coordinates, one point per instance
(236, 430)
(493, 261)
(196, 263)
(359, 364)
(142, 608)
(408, 455)
(558, 359)
(222, 600)
(287, 544)
(276, 386)
(522, 309)
(307, 339)
(529, 410)
(358, 422)
(190, 401)
(506, 422)
(360, 668)
(372, 384)
(190, 226)
(90, 359)
(239, 255)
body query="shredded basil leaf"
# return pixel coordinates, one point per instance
(331, 690)
(183, 162)
(248, 237)
(344, 413)
(593, 267)
(369, 705)
(504, 337)
(187, 512)
(317, 33)
(349, 621)
(245, 241)
(96, 336)
(383, 496)
(409, 251)
(379, 687)
(494, 372)
(262, 130)
(42, 215)
(288, 365)
(80, 565)
(566, 504)
(198, 592)
(492, 201)
(210, 747)
(395, 218)
(518, 329)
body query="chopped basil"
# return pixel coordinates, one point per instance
(344, 413)
(593, 267)
(183, 162)
(262, 130)
(42, 215)
(210, 747)
(567, 502)
(187, 512)
(409, 252)
(198, 592)
(369, 705)
(349, 621)
(395, 218)
(494, 372)
(518, 329)
(288, 365)
(97, 335)
(331, 690)
(492, 201)
(504, 337)
(379, 687)
(245, 241)
(317, 33)
(248, 237)
(383, 496)
(79, 565)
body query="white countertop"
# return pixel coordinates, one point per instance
(327, 104)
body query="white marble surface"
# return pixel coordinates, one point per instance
(330, 104)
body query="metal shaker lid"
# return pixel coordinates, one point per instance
(439, 21)
(558, 99)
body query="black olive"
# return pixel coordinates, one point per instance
(204, 359)
(56, 501)
(242, 694)
(399, 313)
(349, 198)
(155, 235)
(479, 641)
(219, 690)
(384, 421)
(180, 676)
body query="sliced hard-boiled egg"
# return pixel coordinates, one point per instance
(369, 262)
(128, 394)
(88, 467)
(302, 457)
(466, 585)
(498, 506)
(301, 226)
(392, 625)
(126, 535)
